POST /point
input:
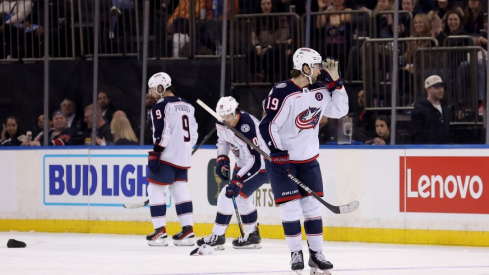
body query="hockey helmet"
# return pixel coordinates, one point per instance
(226, 105)
(306, 56)
(158, 79)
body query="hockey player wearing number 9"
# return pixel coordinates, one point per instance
(174, 135)
(248, 175)
(290, 129)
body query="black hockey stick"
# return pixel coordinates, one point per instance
(143, 204)
(238, 217)
(350, 207)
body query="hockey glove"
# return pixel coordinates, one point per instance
(154, 161)
(331, 74)
(233, 188)
(222, 167)
(280, 162)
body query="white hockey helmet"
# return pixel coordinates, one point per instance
(227, 105)
(306, 56)
(158, 79)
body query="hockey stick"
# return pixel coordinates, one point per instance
(238, 217)
(143, 204)
(350, 207)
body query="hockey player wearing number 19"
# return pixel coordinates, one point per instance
(248, 175)
(174, 135)
(290, 129)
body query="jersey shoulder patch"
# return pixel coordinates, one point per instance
(281, 85)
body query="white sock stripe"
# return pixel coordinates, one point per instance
(158, 217)
(164, 203)
(293, 236)
(184, 214)
(225, 214)
(313, 218)
(312, 235)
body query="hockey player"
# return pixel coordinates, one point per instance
(174, 135)
(249, 174)
(290, 130)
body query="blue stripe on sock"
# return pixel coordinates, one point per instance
(292, 228)
(223, 219)
(250, 218)
(184, 208)
(313, 226)
(158, 210)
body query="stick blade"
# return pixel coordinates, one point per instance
(135, 205)
(347, 208)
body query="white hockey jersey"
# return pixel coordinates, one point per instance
(293, 114)
(248, 160)
(175, 129)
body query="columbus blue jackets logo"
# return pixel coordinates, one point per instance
(308, 118)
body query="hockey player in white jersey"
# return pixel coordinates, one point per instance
(248, 175)
(290, 129)
(174, 135)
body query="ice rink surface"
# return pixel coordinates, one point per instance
(50, 253)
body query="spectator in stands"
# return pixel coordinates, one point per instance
(179, 23)
(21, 36)
(299, 6)
(211, 31)
(474, 17)
(40, 125)
(464, 68)
(421, 28)
(272, 44)
(335, 30)
(103, 129)
(430, 117)
(148, 128)
(11, 134)
(60, 135)
(381, 20)
(442, 7)
(119, 113)
(115, 11)
(383, 131)
(404, 28)
(360, 119)
(122, 131)
(423, 6)
(366, 4)
(103, 100)
(68, 107)
(453, 24)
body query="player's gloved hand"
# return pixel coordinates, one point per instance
(233, 188)
(154, 161)
(331, 74)
(280, 162)
(222, 167)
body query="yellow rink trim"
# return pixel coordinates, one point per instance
(343, 234)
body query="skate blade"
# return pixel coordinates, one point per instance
(219, 247)
(184, 242)
(251, 246)
(297, 271)
(316, 271)
(158, 242)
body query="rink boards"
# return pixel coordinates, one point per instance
(418, 195)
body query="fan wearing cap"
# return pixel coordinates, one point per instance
(60, 135)
(430, 117)
(174, 135)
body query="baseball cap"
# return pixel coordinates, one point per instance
(57, 113)
(432, 80)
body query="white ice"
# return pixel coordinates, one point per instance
(49, 253)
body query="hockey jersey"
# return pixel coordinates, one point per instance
(175, 129)
(247, 159)
(293, 114)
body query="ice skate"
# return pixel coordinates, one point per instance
(184, 237)
(317, 261)
(158, 237)
(249, 241)
(216, 241)
(297, 261)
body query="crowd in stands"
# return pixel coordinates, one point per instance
(275, 29)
